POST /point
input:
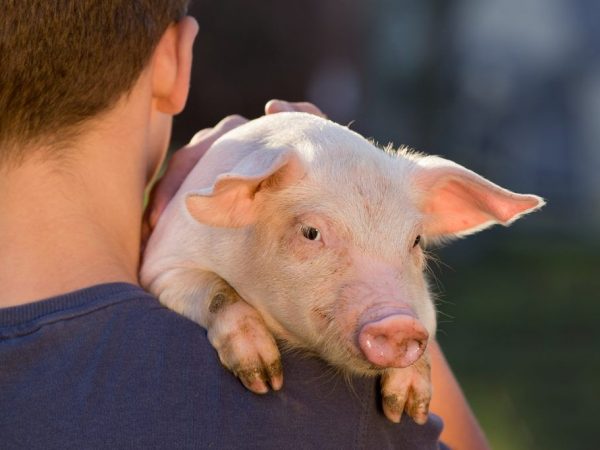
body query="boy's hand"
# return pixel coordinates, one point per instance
(276, 106)
(184, 159)
(181, 163)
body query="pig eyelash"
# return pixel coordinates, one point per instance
(310, 233)
(417, 241)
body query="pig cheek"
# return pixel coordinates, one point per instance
(418, 258)
(318, 289)
(422, 304)
(419, 292)
(426, 313)
(347, 313)
(324, 314)
(299, 250)
(318, 271)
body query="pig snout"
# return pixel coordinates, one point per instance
(396, 340)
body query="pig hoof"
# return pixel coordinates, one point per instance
(246, 347)
(393, 405)
(258, 378)
(407, 389)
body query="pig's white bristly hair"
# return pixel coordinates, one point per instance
(369, 183)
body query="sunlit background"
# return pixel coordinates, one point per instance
(508, 88)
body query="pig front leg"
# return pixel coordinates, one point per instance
(235, 329)
(244, 344)
(407, 389)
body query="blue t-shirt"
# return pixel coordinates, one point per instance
(109, 367)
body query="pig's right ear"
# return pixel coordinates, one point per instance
(456, 201)
(231, 201)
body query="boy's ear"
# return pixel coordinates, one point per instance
(172, 66)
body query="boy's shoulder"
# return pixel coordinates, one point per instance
(109, 366)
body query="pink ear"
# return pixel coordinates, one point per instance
(456, 201)
(230, 202)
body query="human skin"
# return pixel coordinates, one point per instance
(57, 214)
(88, 204)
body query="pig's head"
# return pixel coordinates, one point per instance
(329, 234)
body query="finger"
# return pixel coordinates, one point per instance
(145, 232)
(182, 163)
(277, 106)
(203, 139)
(199, 136)
(165, 189)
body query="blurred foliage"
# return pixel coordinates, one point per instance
(519, 323)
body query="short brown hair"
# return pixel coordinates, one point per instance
(65, 61)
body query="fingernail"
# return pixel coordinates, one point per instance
(281, 106)
(286, 107)
(153, 218)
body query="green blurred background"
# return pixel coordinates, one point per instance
(508, 88)
(519, 324)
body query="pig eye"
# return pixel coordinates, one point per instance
(417, 241)
(310, 233)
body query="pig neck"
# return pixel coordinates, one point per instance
(74, 223)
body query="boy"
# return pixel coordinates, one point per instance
(88, 90)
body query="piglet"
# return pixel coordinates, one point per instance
(295, 227)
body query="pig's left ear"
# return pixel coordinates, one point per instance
(231, 201)
(456, 201)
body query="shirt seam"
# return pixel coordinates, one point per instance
(14, 330)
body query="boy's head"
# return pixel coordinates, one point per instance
(66, 61)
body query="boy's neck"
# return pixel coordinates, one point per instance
(67, 225)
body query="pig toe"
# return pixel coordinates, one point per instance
(259, 376)
(255, 379)
(409, 390)
(275, 374)
(259, 363)
(393, 406)
(418, 408)
(256, 363)
(248, 349)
